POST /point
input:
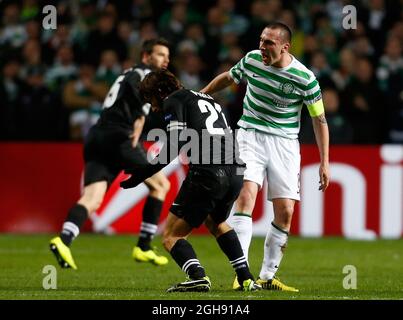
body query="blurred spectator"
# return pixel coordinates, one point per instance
(363, 104)
(257, 22)
(235, 54)
(229, 40)
(109, 68)
(127, 34)
(84, 98)
(189, 72)
(63, 70)
(173, 22)
(105, 37)
(60, 38)
(390, 78)
(320, 67)
(215, 22)
(33, 30)
(298, 37)
(397, 30)
(378, 17)
(141, 10)
(32, 59)
(362, 47)
(146, 31)
(39, 115)
(390, 65)
(10, 91)
(310, 47)
(83, 24)
(13, 33)
(340, 129)
(30, 10)
(342, 75)
(334, 10)
(195, 41)
(326, 37)
(234, 23)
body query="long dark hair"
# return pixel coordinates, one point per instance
(159, 84)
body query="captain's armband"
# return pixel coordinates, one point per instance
(316, 109)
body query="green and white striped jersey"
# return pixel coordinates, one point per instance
(274, 96)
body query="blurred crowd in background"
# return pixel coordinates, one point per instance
(53, 82)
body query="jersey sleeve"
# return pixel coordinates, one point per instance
(316, 109)
(174, 114)
(133, 82)
(312, 92)
(175, 119)
(237, 71)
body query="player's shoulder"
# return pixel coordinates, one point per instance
(184, 98)
(174, 100)
(138, 71)
(188, 94)
(254, 54)
(179, 94)
(302, 73)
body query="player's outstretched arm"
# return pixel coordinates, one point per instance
(139, 174)
(220, 82)
(138, 126)
(322, 139)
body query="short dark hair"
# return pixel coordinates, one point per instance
(287, 34)
(148, 45)
(160, 83)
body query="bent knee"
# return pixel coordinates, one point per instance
(168, 241)
(283, 216)
(287, 210)
(91, 203)
(164, 185)
(158, 187)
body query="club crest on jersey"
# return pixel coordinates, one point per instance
(287, 87)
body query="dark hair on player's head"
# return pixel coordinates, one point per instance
(159, 84)
(148, 45)
(286, 33)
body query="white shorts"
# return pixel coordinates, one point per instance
(274, 157)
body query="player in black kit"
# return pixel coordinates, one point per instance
(113, 145)
(211, 185)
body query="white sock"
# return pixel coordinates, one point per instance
(242, 224)
(275, 243)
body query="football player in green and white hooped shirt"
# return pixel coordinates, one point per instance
(277, 87)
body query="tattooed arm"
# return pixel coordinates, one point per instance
(322, 140)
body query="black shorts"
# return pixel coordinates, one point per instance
(107, 151)
(208, 191)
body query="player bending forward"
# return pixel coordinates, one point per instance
(209, 190)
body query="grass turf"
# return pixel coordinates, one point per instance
(106, 270)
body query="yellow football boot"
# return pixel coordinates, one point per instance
(148, 256)
(62, 253)
(275, 284)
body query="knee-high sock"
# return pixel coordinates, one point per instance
(151, 214)
(242, 224)
(230, 245)
(274, 245)
(184, 255)
(74, 221)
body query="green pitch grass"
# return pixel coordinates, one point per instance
(106, 270)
